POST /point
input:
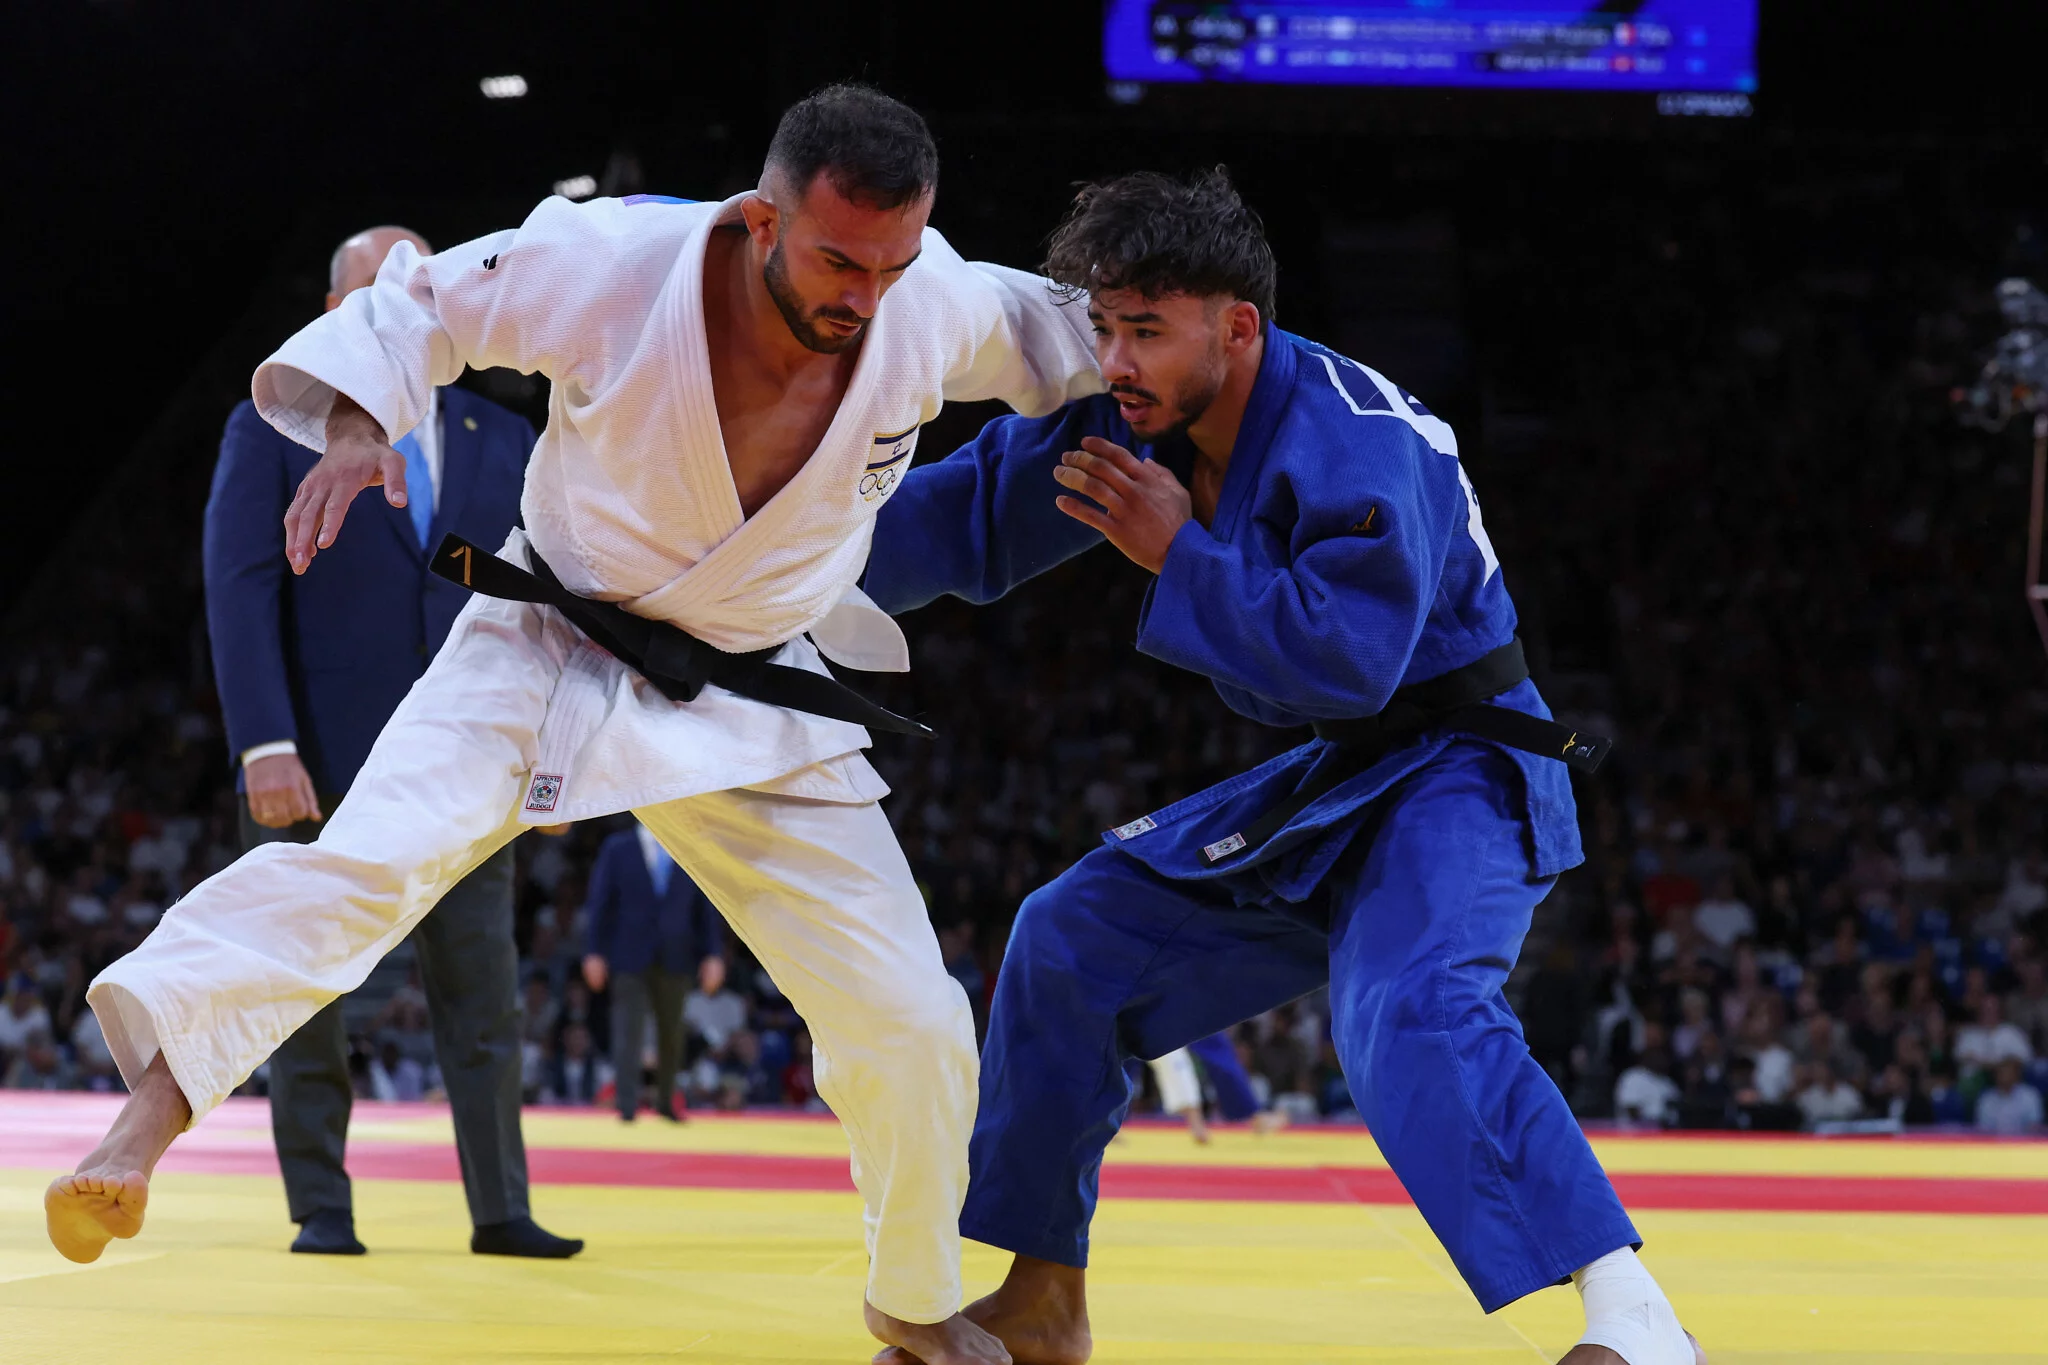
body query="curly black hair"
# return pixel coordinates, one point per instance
(1159, 235)
(875, 150)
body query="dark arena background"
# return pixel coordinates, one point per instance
(1714, 341)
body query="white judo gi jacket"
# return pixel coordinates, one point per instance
(629, 496)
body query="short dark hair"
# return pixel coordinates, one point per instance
(875, 150)
(1159, 235)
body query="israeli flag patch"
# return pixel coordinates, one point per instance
(1223, 848)
(1141, 825)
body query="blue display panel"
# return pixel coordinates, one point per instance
(1636, 45)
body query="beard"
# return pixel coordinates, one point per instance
(1191, 396)
(802, 325)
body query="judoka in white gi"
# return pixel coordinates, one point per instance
(737, 388)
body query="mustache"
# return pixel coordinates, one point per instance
(1135, 392)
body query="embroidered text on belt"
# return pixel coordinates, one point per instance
(675, 661)
(1453, 701)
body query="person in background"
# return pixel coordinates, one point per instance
(2010, 1106)
(22, 1016)
(1645, 1093)
(309, 667)
(1991, 1040)
(651, 933)
(1829, 1098)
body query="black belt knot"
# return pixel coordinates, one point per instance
(676, 662)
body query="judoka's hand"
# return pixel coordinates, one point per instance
(281, 791)
(357, 457)
(1143, 505)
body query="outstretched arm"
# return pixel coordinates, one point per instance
(362, 376)
(985, 518)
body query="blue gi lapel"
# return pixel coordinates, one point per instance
(462, 456)
(1255, 433)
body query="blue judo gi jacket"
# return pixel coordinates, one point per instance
(1347, 559)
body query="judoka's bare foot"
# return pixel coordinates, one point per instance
(1040, 1314)
(1198, 1129)
(87, 1210)
(105, 1198)
(1268, 1121)
(1601, 1355)
(956, 1341)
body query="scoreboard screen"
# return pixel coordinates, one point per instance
(1630, 45)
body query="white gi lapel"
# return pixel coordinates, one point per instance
(841, 457)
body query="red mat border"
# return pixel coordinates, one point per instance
(1120, 1180)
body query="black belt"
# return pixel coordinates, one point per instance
(675, 661)
(1453, 701)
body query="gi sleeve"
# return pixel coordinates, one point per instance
(244, 566)
(983, 519)
(1329, 634)
(525, 298)
(1024, 343)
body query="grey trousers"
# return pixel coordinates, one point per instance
(469, 968)
(633, 994)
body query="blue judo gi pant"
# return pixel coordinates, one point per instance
(1217, 1053)
(1415, 929)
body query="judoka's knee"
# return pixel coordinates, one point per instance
(1400, 1032)
(925, 1015)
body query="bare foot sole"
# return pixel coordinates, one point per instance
(956, 1341)
(87, 1210)
(1601, 1355)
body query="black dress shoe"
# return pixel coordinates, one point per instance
(522, 1237)
(329, 1232)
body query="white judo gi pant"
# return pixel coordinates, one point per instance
(819, 890)
(1180, 1089)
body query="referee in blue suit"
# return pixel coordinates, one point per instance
(309, 668)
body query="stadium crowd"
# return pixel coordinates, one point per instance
(1750, 538)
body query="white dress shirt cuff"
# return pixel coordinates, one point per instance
(270, 750)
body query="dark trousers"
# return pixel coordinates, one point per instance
(633, 994)
(469, 968)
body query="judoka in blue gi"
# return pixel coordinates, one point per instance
(1320, 556)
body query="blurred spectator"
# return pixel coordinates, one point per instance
(22, 1017)
(1990, 1039)
(1646, 1093)
(38, 1066)
(715, 1013)
(2010, 1106)
(396, 1076)
(2026, 1008)
(1828, 1097)
(1724, 918)
(578, 1075)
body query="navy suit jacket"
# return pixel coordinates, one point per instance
(632, 929)
(324, 658)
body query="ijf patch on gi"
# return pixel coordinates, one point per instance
(544, 791)
(1223, 848)
(1141, 825)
